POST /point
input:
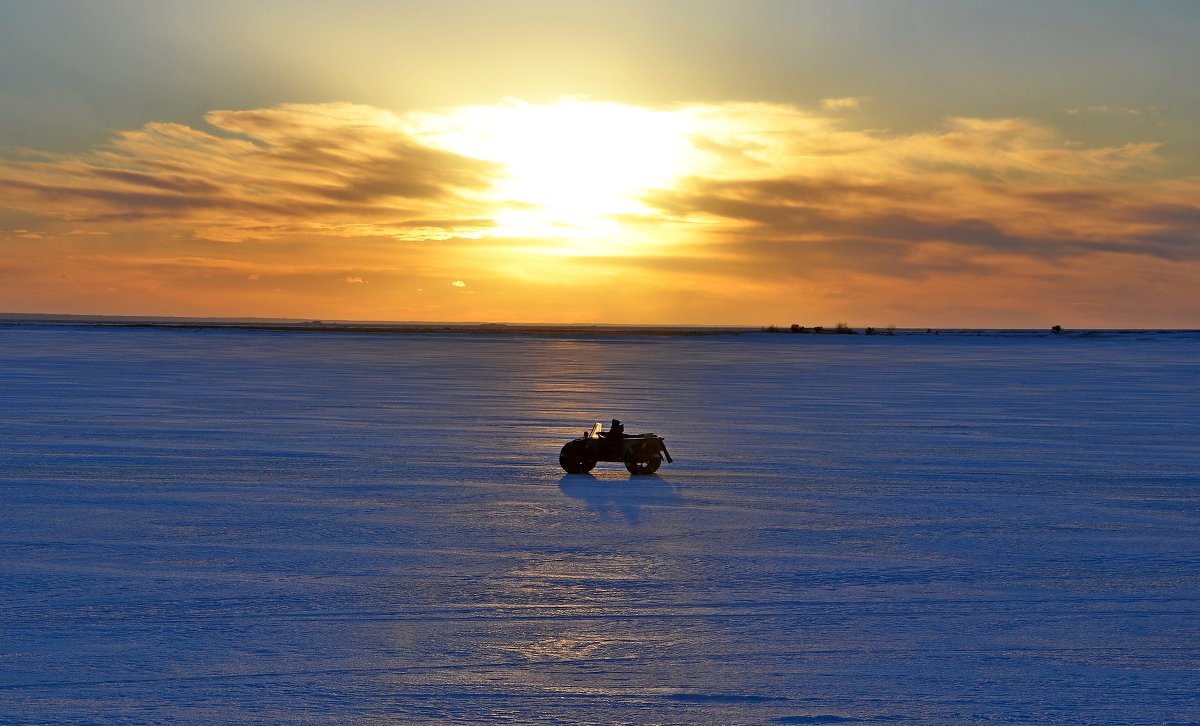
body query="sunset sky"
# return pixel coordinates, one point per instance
(925, 163)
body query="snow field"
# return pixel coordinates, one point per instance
(260, 527)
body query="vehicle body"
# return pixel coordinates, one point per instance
(641, 453)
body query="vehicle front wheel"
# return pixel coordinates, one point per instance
(574, 461)
(638, 467)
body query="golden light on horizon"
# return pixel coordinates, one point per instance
(691, 213)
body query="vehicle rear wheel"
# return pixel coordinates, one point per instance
(638, 467)
(573, 460)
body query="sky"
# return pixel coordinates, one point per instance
(923, 163)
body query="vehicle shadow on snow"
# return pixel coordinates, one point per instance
(626, 499)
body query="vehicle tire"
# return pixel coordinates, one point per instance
(638, 467)
(573, 460)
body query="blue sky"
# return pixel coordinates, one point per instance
(72, 71)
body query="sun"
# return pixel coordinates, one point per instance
(571, 169)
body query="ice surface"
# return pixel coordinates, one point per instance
(251, 526)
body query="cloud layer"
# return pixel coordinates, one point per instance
(977, 222)
(333, 169)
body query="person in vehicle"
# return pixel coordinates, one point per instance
(615, 436)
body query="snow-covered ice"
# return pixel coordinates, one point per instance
(251, 526)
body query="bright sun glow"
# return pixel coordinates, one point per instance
(571, 168)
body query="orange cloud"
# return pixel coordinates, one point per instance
(333, 169)
(981, 185)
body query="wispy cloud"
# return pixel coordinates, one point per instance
(1104, 110)
(847, 103)
(334, 169)
(982, 186)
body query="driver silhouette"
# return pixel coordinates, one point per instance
(615, 436)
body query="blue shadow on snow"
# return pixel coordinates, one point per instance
(621, 498)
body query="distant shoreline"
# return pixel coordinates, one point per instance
(395, 328)
(536, 329)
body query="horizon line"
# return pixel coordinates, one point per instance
(286, 324)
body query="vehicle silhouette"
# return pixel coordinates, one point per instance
(641, 453)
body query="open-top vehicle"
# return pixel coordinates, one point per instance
(641, 453)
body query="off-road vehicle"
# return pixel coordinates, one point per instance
(641, 453)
